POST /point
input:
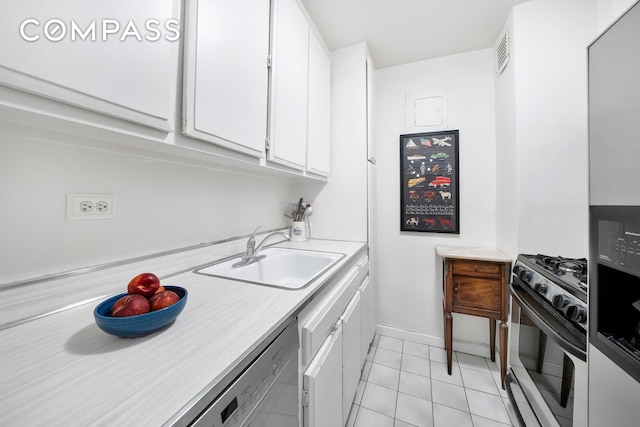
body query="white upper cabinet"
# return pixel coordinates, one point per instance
(289, 84)
(226, 74)
(255, 79)
(319, 129)
(118, 58)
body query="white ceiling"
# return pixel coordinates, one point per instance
(403, 31)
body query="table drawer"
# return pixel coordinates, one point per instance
(476, 267)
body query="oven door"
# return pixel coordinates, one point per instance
(548, 370)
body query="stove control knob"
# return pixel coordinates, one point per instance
(577, 314)
(560, 301)
(540, 288)
(517, 269)
(524, 275)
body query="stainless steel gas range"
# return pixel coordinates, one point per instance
(547, 379)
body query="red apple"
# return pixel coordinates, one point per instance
(145, 284)
(163, 299)
(130, 305)
(160, 289)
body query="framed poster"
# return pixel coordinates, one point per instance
(429, 182)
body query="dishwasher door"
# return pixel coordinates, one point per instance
(279, 407)
(265, 394)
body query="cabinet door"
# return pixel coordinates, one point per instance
(319, 128)
(289, 83)
(476, 295)
(323, 384)
(366, 294)
(351, 348)
(226, 74)
(118, 58)
(319, 318)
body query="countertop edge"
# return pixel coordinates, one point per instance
(59, 338)
(472, 253)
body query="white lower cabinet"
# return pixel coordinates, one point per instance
(318, 319)
(323, 384)
(368, 329)
(351, 353)
(336, 328)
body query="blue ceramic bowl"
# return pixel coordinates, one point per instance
(142, 324)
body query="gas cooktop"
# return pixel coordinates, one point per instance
(560, 281)
(573, 271)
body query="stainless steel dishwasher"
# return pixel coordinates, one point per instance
(265, 394)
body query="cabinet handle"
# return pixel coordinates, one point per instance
(475, 267)
(455, 289)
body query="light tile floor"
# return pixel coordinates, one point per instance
(405, 384)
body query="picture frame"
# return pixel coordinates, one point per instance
(429, 182)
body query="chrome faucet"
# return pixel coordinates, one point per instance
(251, 255)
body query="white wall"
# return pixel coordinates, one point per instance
(552, 130)
(409, 274)
(506, 152)
(541, 125)
(160, 206)
(610, 10)
(340, 206)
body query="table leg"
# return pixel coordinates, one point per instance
(567, 380)
(542, 349)
(492, 339)
(504, 334)
(448, 338)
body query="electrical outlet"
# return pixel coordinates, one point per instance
(86, 206)
(90, 206)
(102, 206)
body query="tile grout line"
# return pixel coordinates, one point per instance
(430, 378)
(466, 396)
(395, 410)
(433, 412)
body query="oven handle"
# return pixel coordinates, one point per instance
(546, 327)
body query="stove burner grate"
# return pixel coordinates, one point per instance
(559, 266)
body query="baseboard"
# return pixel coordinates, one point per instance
(410, 336)
(477, 349)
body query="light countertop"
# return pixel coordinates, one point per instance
(472, 252)
(60, 369)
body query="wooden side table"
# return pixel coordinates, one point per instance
(476, 283)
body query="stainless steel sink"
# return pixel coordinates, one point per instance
(281, 267)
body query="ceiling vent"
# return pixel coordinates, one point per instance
(502, 52)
